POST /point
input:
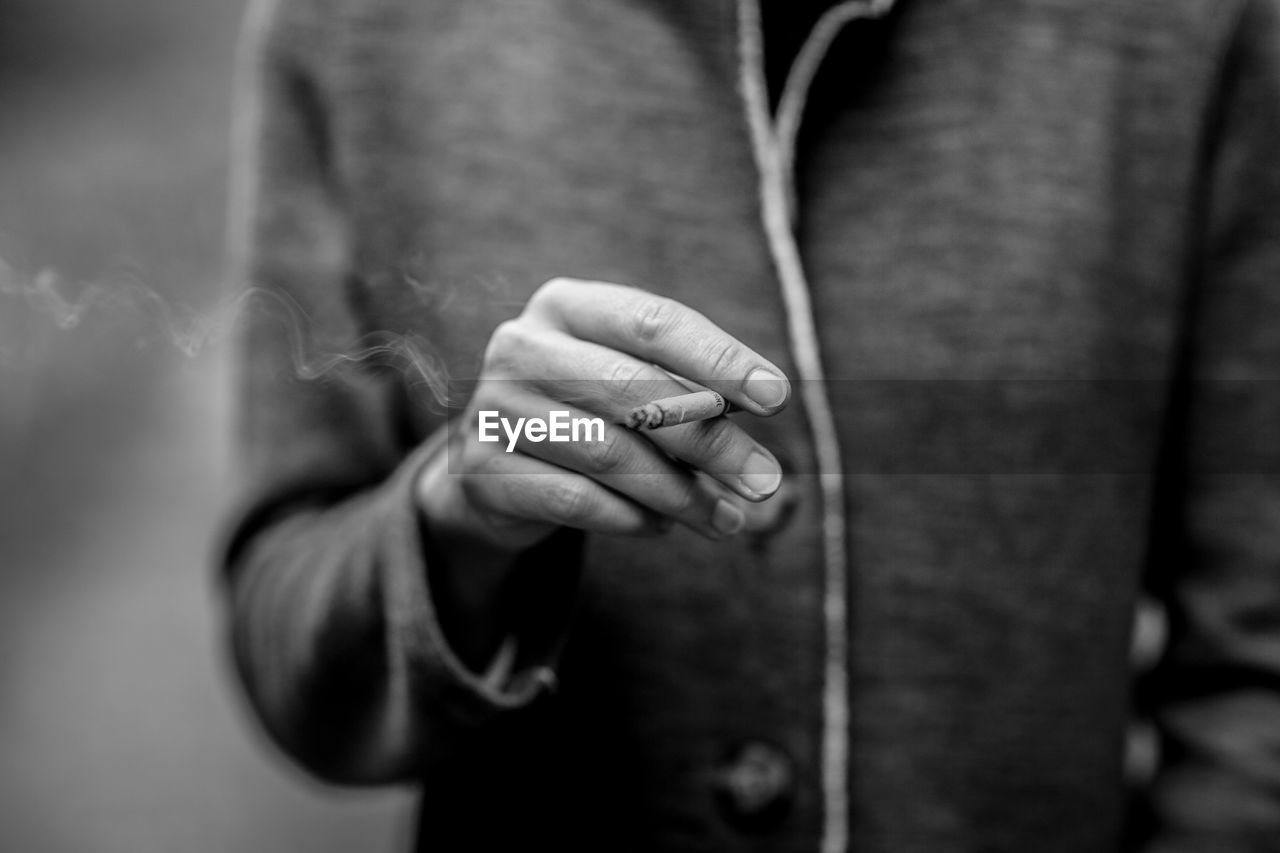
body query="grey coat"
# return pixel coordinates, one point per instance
(1041, 240)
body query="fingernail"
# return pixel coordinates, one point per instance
(765, 388)
(727, 519)
(761, 475)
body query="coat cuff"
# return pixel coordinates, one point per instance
(438, 680)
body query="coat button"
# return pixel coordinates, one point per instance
(755, 787)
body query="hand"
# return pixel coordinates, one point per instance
(592, 349)
(597, 349)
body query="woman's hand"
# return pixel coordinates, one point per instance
(594, 350)
(599, 350)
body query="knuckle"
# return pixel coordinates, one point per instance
(686, 501)
(567, 501)
(713, 440)
(550, 290)
(632, 379)
(602, 457)
(506, 332)
(655, 318)
(723, 359)
(478, 463)
(487, 395)
(507, 338)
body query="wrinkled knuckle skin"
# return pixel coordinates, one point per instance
(603, 457)
(654, 319)
(632, 381)
(723, 360)
(568, 503)
(713, 441)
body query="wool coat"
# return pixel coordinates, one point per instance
(1020, 260)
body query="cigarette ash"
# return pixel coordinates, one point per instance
(650, 416)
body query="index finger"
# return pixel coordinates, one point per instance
(667, 333)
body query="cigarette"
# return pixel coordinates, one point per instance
(672, 411)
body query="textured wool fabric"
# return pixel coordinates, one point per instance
(1042, 241)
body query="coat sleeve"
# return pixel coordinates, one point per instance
(1215, 696)
(325, 570)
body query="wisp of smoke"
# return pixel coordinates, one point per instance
(191, 332)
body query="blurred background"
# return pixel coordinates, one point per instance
(120, 729)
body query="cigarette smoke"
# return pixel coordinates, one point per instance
(189, 331)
